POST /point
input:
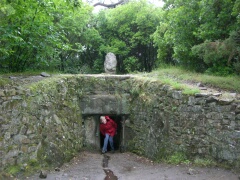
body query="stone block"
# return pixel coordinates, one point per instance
(32, 149)
(16, 97)
(19, 139)
(24, 149)
(177, 95)
(2, 93)
(238, 117)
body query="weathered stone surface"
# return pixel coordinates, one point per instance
(2, 93)
(177, 94)
(46, 122)
(20, 139)
(44, 74)
(105, 104)
(110, 63)
(43, 174)
(238, 109)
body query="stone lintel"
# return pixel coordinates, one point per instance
(105, 104)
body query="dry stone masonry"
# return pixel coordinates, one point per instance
(43, 121)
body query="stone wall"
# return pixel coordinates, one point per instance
(40, 122)
(167, 121)
(44, 120)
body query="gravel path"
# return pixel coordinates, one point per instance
(128, 166)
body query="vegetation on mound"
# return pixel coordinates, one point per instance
(174, 75)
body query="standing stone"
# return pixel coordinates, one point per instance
(110, 63)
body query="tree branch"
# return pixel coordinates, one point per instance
(108, 5)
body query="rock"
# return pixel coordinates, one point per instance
(217, 94)
(12, 77)
(44, 74)
(201, 94)
(57, 169)
(200, 84)
(110, 63)
(43, 174)
(177, 94)
(211, 99)
(203, 88)
(192, 171)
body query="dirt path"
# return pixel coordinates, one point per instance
(128, 166)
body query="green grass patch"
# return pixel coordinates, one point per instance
(178, 75)
(4, 81)
(13, 170)
(178, 158)
(180, 86)
(189, 91)
(204, 162)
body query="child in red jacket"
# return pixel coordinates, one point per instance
(108, 128)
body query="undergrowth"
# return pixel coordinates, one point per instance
(178, 75)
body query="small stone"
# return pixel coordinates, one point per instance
(201, 94)
(43, 174)
(65, 174)
(200, 84)
(44, 74)
(192, 171)
(57, 169)
(217, 94)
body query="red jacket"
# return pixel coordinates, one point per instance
(109, 128)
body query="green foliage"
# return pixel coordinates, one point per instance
(127, 31)
(59, 35)
(198, 35)
(131, 64)
(13, 170)
(172, 158)
(175, 74)
(190, 91)
(4, 81)
(40, 34)
(222, 57)
(236, 66)
(204, 162)
(177, 158)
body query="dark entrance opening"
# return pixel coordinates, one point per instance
(117, 138)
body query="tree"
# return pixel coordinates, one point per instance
(197, 23)
(127, 31)
(40, 34)
(219, 28)
(175, 35)
(112, 5)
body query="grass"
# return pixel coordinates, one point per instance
(28, 73)
(204, 162)
(181, 158)
(4, 81)
(178, 75)
(173, 76)
(178, 158)
(4, 77)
